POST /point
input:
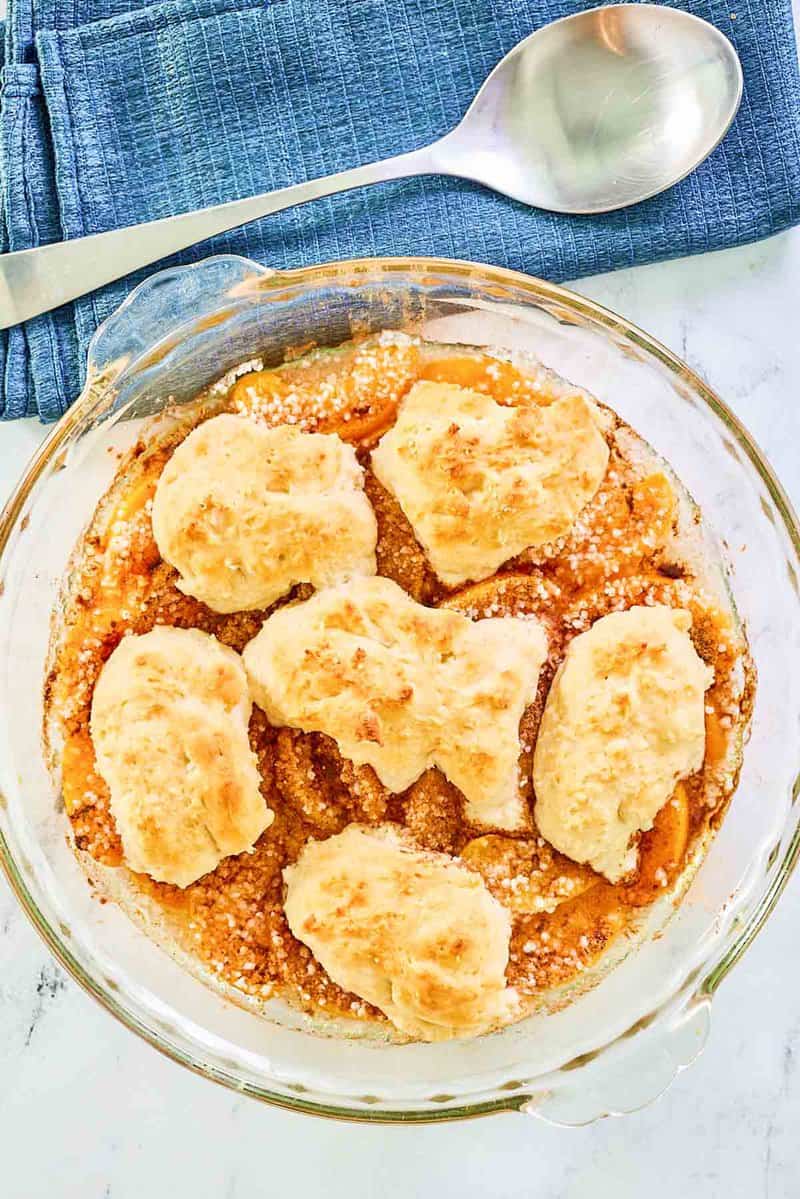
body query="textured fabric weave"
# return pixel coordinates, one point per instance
(114, 112)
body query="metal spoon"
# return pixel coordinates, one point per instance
(590, 113)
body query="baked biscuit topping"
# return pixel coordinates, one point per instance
(624, 721)
(244, 512)
(169, 726)
(403, 687)
(395, 684)
(481, 481)
(416, 934)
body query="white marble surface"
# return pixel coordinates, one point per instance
(87, 1111)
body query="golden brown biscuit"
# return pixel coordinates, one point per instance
(243, 512)
(169, 723)
(480, 481)
(403, 687)
(416, 934)
(623, 722)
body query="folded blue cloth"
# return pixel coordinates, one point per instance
(113, 112)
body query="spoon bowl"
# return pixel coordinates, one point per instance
(600, 110)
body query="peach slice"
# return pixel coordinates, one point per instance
(353, 392)
(505, 595)
(661, 850)
(492, 376)
(528, 876)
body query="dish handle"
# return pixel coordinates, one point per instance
(160, 313)
(634, 1072)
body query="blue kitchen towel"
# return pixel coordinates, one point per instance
(114, 112)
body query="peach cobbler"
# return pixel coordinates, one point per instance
(396, 682)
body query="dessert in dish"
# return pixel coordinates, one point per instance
(494, 686)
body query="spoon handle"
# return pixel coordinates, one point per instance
(38, 280)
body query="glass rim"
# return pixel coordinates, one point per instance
(326, 273)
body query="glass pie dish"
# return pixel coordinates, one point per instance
(618, 1043)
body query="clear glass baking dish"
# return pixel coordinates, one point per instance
(618, 1045)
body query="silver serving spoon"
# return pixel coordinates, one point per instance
(590, 113)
